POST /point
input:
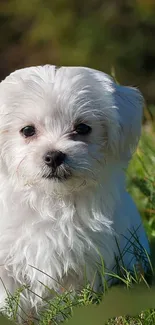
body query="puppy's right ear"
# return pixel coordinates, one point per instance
(129, 103)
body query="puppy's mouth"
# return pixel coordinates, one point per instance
(58, 175)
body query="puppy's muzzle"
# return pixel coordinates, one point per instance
(57, 169)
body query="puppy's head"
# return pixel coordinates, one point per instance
(60, 127)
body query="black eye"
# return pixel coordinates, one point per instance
(83, 129)
(28, 131)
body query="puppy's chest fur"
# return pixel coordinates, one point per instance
(54, 242)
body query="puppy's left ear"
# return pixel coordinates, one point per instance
(129, 102)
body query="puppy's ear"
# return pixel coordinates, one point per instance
(129, 103)
(122, 109)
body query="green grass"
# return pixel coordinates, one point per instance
(140, 183)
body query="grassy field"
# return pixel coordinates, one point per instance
(140, 183)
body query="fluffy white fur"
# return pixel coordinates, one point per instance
(62, 228)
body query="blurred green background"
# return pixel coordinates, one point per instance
(102, 34)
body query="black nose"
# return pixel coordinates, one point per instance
(54, 158)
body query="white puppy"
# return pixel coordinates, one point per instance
(66, 137)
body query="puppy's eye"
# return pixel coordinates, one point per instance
(28, 131)
(83, 129)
